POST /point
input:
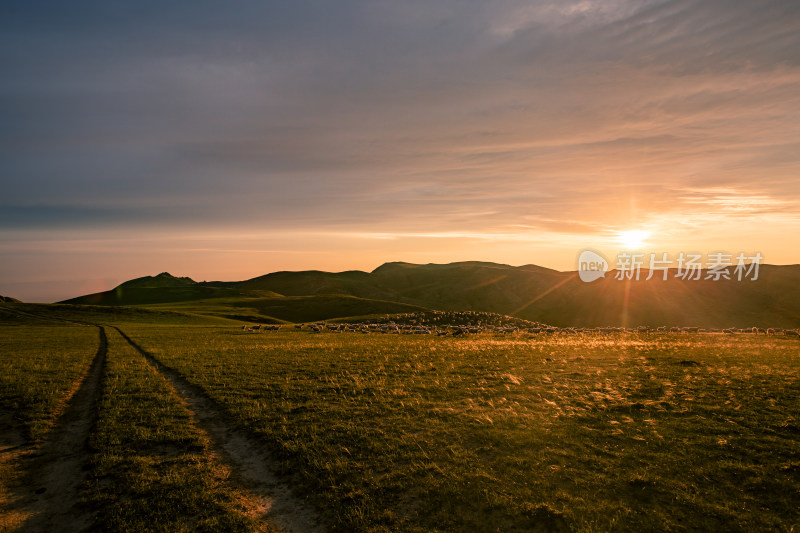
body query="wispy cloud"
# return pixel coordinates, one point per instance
(546, 119)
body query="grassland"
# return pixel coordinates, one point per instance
(631, 432)
(61, 314)
(151, 467)
(278, 309)
(592, 433)
(40, 368)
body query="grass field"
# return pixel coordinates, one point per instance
(151, 468)
(40, 368)
(593, 433)
(631, 432)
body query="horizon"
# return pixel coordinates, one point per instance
(220, 141)
(368, 271)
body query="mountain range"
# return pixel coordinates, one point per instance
(530, 292)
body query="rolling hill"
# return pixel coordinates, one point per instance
(529, 292)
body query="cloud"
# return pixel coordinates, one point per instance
(575, 117)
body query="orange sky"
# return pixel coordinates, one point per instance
(225, 144)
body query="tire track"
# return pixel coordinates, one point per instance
(49, 492)
(252, 464)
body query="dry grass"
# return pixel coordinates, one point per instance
(586, 432)
(152, 469)
(40, 368)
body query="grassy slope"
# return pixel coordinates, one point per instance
(659, 432)
(22, 313)
(353, 283)
(560, 298)
(128, 296)
(289, 309)
(773, 300)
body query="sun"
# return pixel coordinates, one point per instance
(632, 239)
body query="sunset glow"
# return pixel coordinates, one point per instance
(633, 239)
(224, 143)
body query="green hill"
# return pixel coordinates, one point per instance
(468, 286)
(165, 279)
(352, 283)
(529, 291)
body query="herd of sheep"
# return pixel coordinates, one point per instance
(452, 323)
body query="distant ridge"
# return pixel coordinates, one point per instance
(9, 300)
(530, 292)
(165, 279)
(162, 288)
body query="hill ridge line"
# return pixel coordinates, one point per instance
(528, 292)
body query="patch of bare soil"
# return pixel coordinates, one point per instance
(43, 488)
(251, 464)
(12, 450)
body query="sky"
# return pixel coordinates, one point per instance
(223, 141)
